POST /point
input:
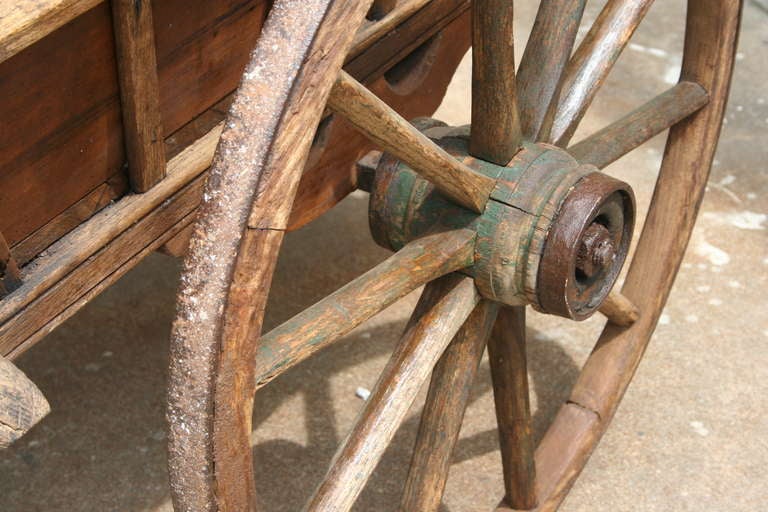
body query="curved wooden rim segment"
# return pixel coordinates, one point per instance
(710, 44)
(244, 212)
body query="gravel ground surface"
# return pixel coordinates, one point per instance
(690, 435)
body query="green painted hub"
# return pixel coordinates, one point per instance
(512, 232)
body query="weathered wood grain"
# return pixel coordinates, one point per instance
(655, 116)
(546, 53)
(22, 22)
(22, 404)
(495, 134)
(444, 306)
(139, 92)
(443, 412)
(509, 373)
(590, 65)
(314, 328)
(619, 310)
(398, 137)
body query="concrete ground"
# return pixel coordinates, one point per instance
(691, 434)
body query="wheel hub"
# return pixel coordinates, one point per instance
(554, 233)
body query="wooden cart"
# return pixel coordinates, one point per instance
(212, 128)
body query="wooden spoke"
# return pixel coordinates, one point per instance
(621, 137)
(590, 65)
(495, 133)
(314, 328)
(619, 309)
(506, 353)
(444, 306)
(140, 92)
(546, 54)
(395, 135)
(444, 411)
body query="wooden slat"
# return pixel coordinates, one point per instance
(444, 306)
(9, 269)
(444, 409)
(590, 65)
(65, 255)
(548, 49)
(314, 328)
(619, 310)
(139, 92)
(659, 114)
(22, 404)
(507, 357)
(22, 22)
(495, 134)
(395, 135)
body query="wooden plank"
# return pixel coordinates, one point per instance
(397, 136)
(546, 54)
(590, 65)
(139, 91)
(443, 412)
(495, 134)
(22, 404)
(68, 253)
(652, 118)
(23, 22)
(507, 357)
(444, 306)
(314, 328)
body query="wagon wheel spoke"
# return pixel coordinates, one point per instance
(444, 411)
(590, 65)
(495, 134)
(652, 118)
(326, 321)
(444, 306)
(546, 54)
(397, 136)
(506, 353)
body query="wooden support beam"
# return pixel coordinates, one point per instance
(9, 270)
(139, 92)
(22, 404)
(415, 264)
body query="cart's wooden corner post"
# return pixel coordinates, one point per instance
(139, 92)
(9, 270)
(22, 405)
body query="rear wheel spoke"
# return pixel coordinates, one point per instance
(444, 411)
(619, 310)
(319, 325)
(546, 54)
(621, 137)
(495, 134)
(506, 353)
(590, 65)
(397, 136)
(444, 306)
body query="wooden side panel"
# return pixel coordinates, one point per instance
(61, 93)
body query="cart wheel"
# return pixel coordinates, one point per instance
(511, 216)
